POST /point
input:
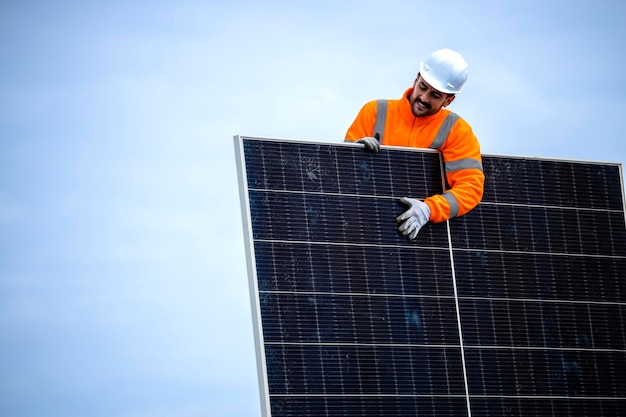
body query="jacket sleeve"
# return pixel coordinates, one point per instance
(363, 125)
(464, 175)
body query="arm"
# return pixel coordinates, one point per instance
(464, 174)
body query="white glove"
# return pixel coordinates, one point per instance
(371, 144)
(414, 218)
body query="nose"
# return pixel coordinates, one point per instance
(423, 97)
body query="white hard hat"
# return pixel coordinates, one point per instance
(445, 70)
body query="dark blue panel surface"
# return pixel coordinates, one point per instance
(345, 406)
(358, 321)
(546, 406)
(540, 276)
(285, 166)
(541, 229)
(537, 372)
(334, 219)
(364, 370)
(305, 267)
(316, 318)
(530, 181)
(540, 268)
(543, 324)
(351, 311)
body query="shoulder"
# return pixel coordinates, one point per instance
(460, 125)
(461, 137)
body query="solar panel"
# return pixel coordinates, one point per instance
(515, 309)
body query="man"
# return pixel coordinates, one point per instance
(419, 119)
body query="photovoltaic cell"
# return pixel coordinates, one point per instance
(515, 309)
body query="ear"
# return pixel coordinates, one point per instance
(449, 100)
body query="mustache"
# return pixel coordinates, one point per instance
(422, 103)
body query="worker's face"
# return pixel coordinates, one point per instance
(425, 100)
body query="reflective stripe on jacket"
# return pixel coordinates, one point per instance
(445, 131)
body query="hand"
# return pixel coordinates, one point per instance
(414, 218)
(371, 144)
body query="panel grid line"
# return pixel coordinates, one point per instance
(395, 197)
(391, 295)
(417, 246)
(466, 346)
(546, 397)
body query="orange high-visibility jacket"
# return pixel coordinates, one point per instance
(445, 131)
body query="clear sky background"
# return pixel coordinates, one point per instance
(123, 282)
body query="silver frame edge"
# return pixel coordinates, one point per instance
(252, 277)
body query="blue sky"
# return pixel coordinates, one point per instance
(123, 282)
